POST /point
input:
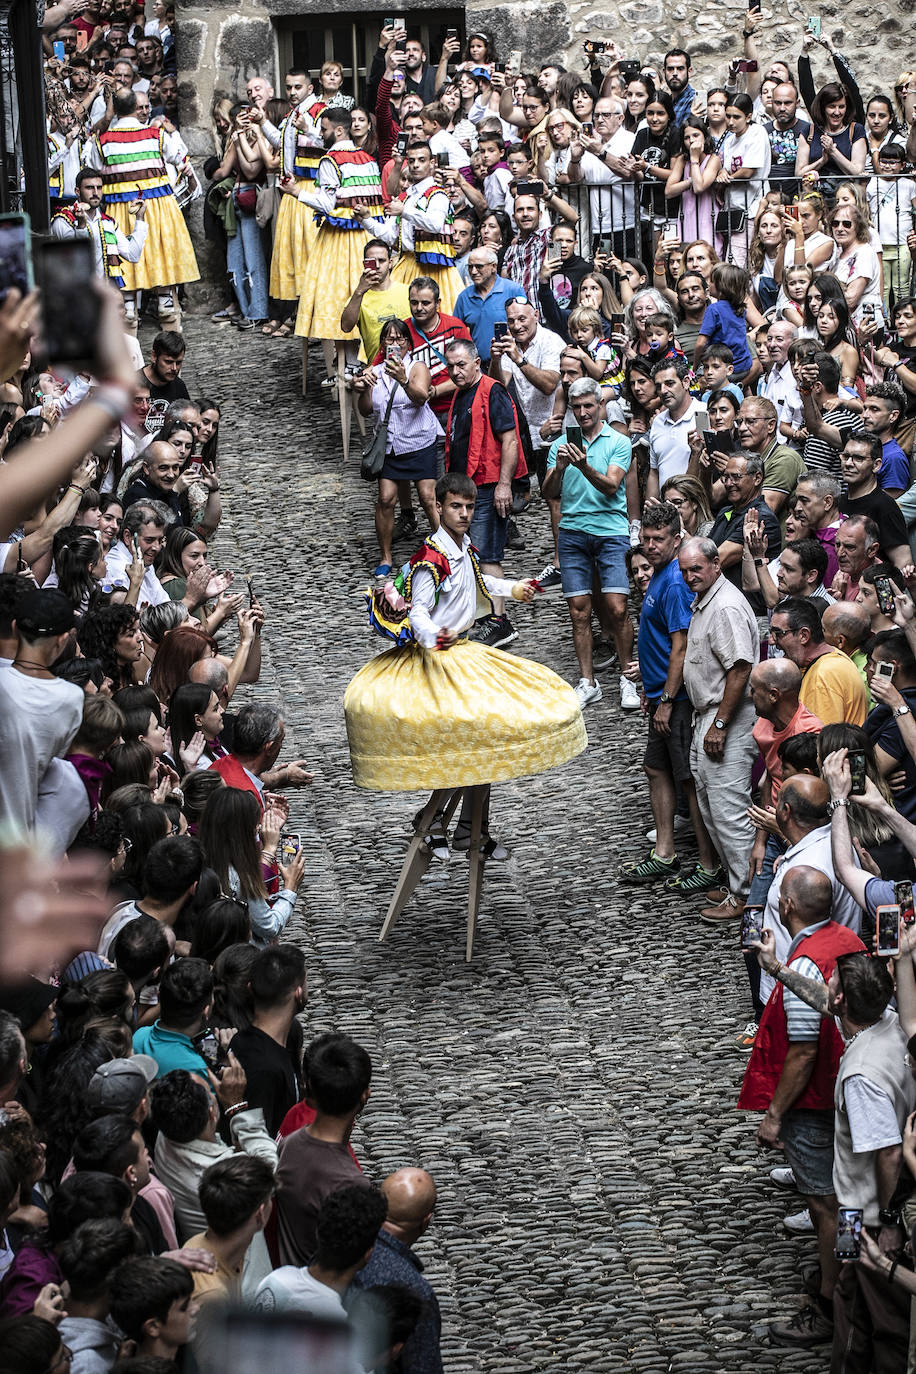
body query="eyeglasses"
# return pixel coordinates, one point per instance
(842, 224)
(778, 634)
(730, 478)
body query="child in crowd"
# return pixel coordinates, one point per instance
(724, 320)
(599, 358)
(716, 372)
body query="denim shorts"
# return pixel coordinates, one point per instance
(807, 1138)
(488, 530)
(581, 554)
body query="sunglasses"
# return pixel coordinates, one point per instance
(842, 224)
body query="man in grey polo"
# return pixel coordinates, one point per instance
(723, 644)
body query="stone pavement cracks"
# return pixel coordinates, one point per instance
(602, 1206)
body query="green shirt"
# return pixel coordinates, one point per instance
(582, 506)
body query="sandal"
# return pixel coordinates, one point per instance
(489, 847)
(437, 838)
(283, 330)
(271, 327)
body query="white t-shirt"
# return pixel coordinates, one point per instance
(614, 210)
(543, 352)
(63, 805)
(117, 560)
(752, 149)
(289, 1289)
(890, 200)
(39, 718)
(669, 451)
(861, 262)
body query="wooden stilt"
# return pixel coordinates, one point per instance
(344, 399)
(416, 861)
(479, 798)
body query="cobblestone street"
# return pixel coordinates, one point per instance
(602, 1206)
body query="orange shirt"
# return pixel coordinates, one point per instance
(769, 740)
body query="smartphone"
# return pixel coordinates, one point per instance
(606, 246)
(793, 211)
(16, 254)
(70, 306)
(885, 669)
(574, 435)
(629, 70)
(442, 160)
(717, 442)
(588, 128)
(617, 319)
(499, 67)
(884, 590)
(856, 759)
(390, 22)
(60, 52)
(848, 1232)
(903, 896)
(193, 469)
(529, 188)
(554, 256)
(751, 926)
(451, 33)
(701, 421)
(211, 1051)
(748, 65)
(754, 5)
(401, 143)
(354, 369)
(593, 45)
(887, 930)
(250, 592)
(515, 59)
(500, 329)
(814, 25)
(289, 848)
(400, 45)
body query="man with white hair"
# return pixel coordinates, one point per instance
(780, 386)
(259, 91)
(483, 304)
(602, 159)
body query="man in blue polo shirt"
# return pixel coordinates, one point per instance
(589, 477)
(883, 405)
(663, 624)
(185, 998)
(484, 302)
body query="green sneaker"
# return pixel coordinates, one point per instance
(649, 870)
(699, 879)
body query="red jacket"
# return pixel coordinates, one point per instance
(771, 1044)
(484, 447)
(233, 775)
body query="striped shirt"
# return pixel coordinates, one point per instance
(802, 1022)
(411, 427)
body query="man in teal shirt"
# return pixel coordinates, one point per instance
(594, 535)
(185, 999)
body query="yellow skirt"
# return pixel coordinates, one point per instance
(422, 719)
(168, 254)
(446, 278)
(334, 267)
(294, 237)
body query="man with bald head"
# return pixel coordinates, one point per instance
(846, 626)
(791, 1074)
(411, 1198)
(160, 480)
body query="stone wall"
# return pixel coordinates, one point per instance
(221, 45)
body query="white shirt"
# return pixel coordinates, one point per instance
(444, 142)
(861, 262)
(63, 805)
(617, 210)
(39, 718)
(456, 608)
(289, 1289)
(890, 200)
(813, 850)
(752, 149)
(780, 388)
(430, 220)
(669, 451)
(543, 352)
(117, 561)
(130, 249)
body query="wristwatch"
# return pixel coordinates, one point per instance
(836, 803)
(665, 698)
(720, 724)
(888, 1216)
(901, 710)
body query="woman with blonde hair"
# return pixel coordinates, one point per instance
(688, 495)
(330, 80)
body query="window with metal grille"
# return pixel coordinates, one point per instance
(352, 40)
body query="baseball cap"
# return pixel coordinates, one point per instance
(121, 1083)
(45, 612)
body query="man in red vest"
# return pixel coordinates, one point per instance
(257, 741)
(482, 440)
(790, 1077)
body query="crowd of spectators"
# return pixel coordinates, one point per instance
(689, 316)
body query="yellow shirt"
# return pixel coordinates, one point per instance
(376, 308)
(833, 690)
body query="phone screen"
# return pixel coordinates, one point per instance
(574, 435)
(15, 254)
(848, 1232)
(887, 929)
(885, 669)
(856, 759)
(500, 329)
(885, 593)
(903, 896)
(701, 419)
(70, 307)
(751, 926)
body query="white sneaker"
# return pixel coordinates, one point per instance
(783, 1175)
(799, 1222)
(682, 826)
(587, 692)
(629, 697)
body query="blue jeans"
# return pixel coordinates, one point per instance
(247, 268)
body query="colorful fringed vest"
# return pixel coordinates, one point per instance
(55, 178)
(433, 250)
(106, 234)
(389, 606)
(134, 165)
(307, 155)
(359, 180)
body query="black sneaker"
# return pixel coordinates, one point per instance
(405, 525)
(808, 1327)
(548, 577)
(496, 631)
(513, 539)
